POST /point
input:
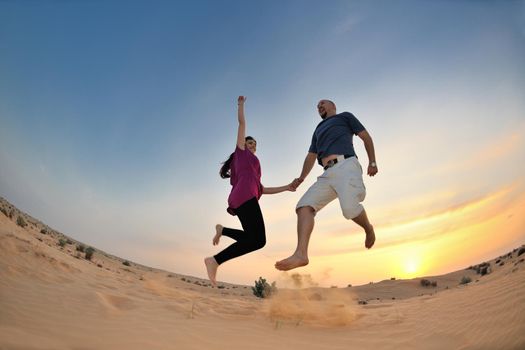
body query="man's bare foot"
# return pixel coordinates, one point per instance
(291, 262)
(211, 267)
(370, 237)
(218, 234)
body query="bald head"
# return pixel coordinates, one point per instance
(326, 108)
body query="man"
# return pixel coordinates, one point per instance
(333, 148)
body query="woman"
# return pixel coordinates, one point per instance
(244, 171)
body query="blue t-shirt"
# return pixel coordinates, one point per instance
(334, 135)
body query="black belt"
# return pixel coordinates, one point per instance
(333, 162)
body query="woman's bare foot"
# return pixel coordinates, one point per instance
(291, 262)
(211, 267)
(370, 237)
(217, 237)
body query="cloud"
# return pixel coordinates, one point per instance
(508, 144)
(435, 225)
(347, 25)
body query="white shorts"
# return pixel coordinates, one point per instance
(344, 180)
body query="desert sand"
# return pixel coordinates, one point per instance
(52, 297)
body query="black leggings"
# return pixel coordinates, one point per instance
(252, 238)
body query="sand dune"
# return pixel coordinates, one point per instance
(51, 297)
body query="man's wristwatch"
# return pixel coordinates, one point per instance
(373, 164)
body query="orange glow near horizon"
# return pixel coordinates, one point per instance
(431, 245)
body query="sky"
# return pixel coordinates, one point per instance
(115, 117)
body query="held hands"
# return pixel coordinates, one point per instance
(296, 182)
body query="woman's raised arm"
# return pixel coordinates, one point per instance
(241, 132)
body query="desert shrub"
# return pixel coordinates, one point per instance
(465, 280)
(483, 269)
(427, 283)
(20, 221)
(81, 248)
(262, 289)
(3, 210)
(89, 253)
(521, 251)
(62, 242)
(127, 263)
(43, 231)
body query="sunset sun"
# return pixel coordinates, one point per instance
(411, 267)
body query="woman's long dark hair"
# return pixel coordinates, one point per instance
(225, 171)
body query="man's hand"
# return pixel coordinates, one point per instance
(241, 100)
(372, 170)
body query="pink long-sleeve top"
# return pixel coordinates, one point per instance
(245, 179)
